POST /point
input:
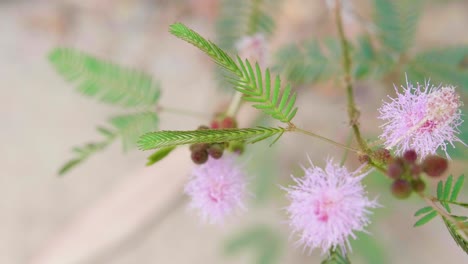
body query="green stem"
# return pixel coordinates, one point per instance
(349, 140)
(353, 112)
(253, 18)
(308, 133)
(234, 105)
(178, 111)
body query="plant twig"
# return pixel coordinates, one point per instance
(353, 112)
(293, 128)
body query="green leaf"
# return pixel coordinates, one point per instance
(159, 155)
(264, 241)
(428, 217)
(440, 190)
(396, 21)
(84, 152)
(336, 257)
(423, 210)
(103, 80)
(244, 78)
(243, 18)
(128, 127)
(456, 188)
(369, 62)
(455, 233)
(219, 56)
(131, 126)
(369, 248)
(447, 189)
(174, 138)
(442, 66)
(68, 166)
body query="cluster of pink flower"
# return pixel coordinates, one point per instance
(327, 206)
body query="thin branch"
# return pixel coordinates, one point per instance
(353, 112)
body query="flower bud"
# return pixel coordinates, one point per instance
(216, 150)
(410, 156)
(363, 158)
(198, 146)
(199, 156)
(418, 185)
(395, 169)
(434, 166)
(415, 170)
(228, 122)
(383, 155)
(215, 124)
(401, 189)
(236, 147)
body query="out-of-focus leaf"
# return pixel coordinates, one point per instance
(264, 241)
(159, 155)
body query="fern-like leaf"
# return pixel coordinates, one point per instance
(131, 126)
(426, 218)
(263, 95)
(456, 235)
(243, 18)
(397, 21)
(218, 55)
(159, 155)
(108, 82)
(244, 78)
(265, 241)
(443, 65)
(86, 151)
(174, 138)
(128, 127)
(336, 257)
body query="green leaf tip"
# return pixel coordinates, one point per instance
(167, 138)
(425, 219)
(456, 235)
(108, 82)
(245, 78)
(159, 155)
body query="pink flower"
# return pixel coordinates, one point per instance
(217, 188)
(421, 118)
(328, 206)
(253, 48)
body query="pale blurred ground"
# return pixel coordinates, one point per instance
(42, 117)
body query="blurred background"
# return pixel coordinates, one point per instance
(113, 209)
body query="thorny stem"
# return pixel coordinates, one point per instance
(291, 127)
(431, 201)
(353, 112)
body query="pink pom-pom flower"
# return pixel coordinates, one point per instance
(217, 188)
(422, 118)
(328, 206)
